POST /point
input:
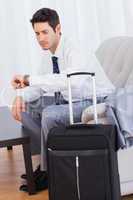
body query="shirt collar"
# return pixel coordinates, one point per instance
(59, 49)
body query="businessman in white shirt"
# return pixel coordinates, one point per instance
(43, 99)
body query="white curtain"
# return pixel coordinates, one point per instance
(89, 22)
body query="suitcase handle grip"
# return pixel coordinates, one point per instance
(80, 73)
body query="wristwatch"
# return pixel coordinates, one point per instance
(26, 80)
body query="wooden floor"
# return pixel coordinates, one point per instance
(11, 167)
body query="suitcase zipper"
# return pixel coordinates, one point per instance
(77, 176)
(77, 173)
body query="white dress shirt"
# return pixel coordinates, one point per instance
(70, 59)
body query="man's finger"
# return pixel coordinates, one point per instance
(17, 82)
(14, 112)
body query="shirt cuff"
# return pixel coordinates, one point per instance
(32, 80)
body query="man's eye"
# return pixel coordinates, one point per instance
(45, 32)
(37, 34)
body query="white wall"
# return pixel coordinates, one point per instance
(88, 21)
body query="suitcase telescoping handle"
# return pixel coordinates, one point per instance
(92, 75)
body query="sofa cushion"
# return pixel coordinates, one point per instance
(115, 55)
(130, 80)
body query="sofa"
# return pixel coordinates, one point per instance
(116, 57)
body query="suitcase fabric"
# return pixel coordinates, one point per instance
(82, 163)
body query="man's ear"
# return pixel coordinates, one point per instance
(58, 28)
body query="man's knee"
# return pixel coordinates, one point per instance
(53, 116)
(49, 114)
(30, 123)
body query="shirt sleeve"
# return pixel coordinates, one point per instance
(75, 62)
(29, 94)
(32, 93)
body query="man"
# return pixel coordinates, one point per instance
(43, 99)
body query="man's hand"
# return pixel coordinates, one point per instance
(18, 107)
(19, 81)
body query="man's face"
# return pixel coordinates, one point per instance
(46, 36)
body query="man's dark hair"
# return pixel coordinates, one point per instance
(46, 15)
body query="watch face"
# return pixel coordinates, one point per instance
(26, 80)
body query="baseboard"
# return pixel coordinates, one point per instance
(126, 188)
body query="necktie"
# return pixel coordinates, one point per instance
(55, 65)
(56, 71)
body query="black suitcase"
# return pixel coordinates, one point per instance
(82, 162)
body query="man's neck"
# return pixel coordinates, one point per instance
(54, 47)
